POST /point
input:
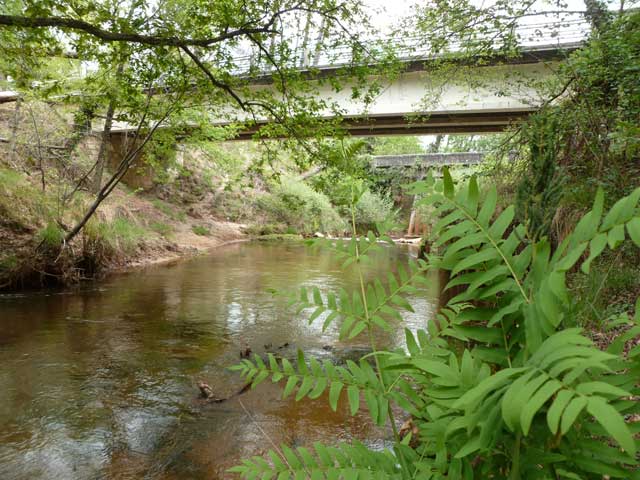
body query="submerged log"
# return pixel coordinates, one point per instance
(206, 392)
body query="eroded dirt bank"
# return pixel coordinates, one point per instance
(129, 231)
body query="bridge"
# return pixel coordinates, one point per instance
(422, 160)
(485, 97)
(478, 99)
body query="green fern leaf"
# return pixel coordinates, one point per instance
(557, 408)
(613, 423)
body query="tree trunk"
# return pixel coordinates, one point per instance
(106, 133)
(114, 180)
(13, 140)
(104, 146)
(435, 146)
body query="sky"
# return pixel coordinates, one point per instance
(386, 12)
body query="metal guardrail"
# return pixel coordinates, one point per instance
(427, 160)
(532, 37)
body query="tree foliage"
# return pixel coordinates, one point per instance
(588, 138)
(178, 65)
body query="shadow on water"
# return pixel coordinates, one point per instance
(99, 381)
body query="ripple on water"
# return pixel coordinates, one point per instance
(99, 381)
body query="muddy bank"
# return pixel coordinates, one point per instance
(129, 231)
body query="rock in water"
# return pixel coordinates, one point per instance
(205, 390)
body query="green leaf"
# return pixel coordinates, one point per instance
(354, 399)
(486, 386)
(571, 257)
(317, 298)
(412, 345)
(433, 367)
(381, 323)
(613, 423)
(402, 302)
(596, 246)
(556, 409)
(468, 448)
(633, 227)
(488, 207)
(571, 413)
(616, 236)
(448, 183)
(502, 222)
(517, 396)
(372, 404)
(622, 210)
(357, 329)
(588, 225)
(320, 387)
(291, 457)
(589, 388)
(473, 192)
(536, 402)
(334, 394)
(477, 258)
(291, 384)
(488, 276)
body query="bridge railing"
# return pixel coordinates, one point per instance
(530, 37)
(427, 160)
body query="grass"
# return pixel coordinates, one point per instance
(168, 210)
(119, 235)
(9, 262)
(200, 230)
(610, 288)
(21, 203)
(162, 228)
(279, 237)
(51, 235)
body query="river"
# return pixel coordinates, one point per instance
(99, 381)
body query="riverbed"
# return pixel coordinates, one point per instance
(99, 381)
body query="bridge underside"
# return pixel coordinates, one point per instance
(435, 123)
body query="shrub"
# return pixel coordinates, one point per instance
(373, 209)
(267, 229)
(200, 230)
(498, 386)
(297, 205)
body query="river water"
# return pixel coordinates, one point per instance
(99, 382)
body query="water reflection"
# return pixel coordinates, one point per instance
(98, 382)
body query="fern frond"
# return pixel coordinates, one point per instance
(341, 462)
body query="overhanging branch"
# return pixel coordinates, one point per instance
(110, 36)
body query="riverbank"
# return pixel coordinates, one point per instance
(130, 230)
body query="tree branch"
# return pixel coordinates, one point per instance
(212, 78)
(110, 36)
